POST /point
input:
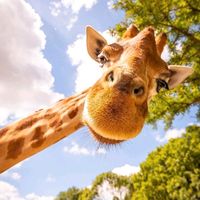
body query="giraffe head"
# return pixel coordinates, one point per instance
(117, 104)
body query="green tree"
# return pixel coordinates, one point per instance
(171, 172)
(71, 194)
(85, 194)
(180, 20)
(114, 180)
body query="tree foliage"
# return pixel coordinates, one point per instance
(180, 20)
(71, 194)
(85, 194)
(114, 180)
(171, 172)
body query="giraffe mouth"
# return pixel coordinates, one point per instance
(103, 140)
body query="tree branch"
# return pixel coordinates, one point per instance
(191, 7)
(184, 32)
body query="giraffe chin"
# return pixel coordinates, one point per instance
(112, 119)
(103, 140)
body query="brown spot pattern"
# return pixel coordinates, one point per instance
(59, 129)
(79, 125)
(26, 123)
(56, 123)
(53, 123)
(3, 131)
(38, 137)
(73, 112)
(49, 114)
(15, 148)
(59, 123)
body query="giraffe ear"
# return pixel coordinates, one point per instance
(178, 75)
(95, 42)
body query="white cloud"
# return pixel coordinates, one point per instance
(193, 123)
(50, 179)
(171, 133)
(55, 8)
(75, 5)
(12, 172)
(72, 21)
(69, 9)
(16, 176)
(75, 149)
(100, 151)
(110, 4)
(126, 170)
(26, 81)
(34, 196)
(106, 191)
(10, 192)
(88, 71)
(11, 175)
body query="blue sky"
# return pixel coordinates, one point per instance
(43, 58)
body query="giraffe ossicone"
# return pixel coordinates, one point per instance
(114, 108)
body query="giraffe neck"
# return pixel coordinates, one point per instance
(29, 136)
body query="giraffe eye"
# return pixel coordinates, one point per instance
(161, 84)
(110, 77)
(102, 59)
(138, 91)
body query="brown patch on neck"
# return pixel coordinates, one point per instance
(58, 130)
(15, 148)
(79, 125)
(73, 112)
(26, 123)
(38, 137)
(3, 131)
(55, 121)
(49, 114)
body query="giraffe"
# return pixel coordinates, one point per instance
(114, 108)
